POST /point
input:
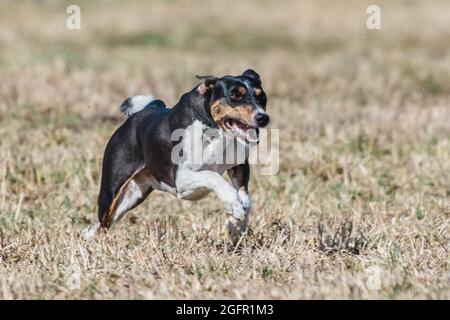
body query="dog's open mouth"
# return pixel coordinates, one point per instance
(241, 130)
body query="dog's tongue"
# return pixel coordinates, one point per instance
(243, 131)
(251, 135)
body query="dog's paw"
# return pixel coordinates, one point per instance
(237, 210)
(236, 229)
(244, 198)
(239, 205)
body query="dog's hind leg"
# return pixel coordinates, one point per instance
(126, 182)
(135, 190)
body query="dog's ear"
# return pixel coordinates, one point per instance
(251, 74)
(207, 83)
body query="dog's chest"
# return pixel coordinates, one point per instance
(205, 148)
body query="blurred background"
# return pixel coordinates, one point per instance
(293, 41)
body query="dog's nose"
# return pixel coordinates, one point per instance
(262, 119)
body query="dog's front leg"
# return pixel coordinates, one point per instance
(240, 176)
(189, 182)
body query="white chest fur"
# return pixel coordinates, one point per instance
(211, 149)
(205, 150)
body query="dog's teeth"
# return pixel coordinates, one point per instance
(238, 129)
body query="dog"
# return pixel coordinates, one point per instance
(139, 157)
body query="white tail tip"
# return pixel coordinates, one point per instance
(135, 104)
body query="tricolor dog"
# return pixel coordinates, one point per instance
(185, 150)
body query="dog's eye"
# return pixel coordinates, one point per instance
(235, 96)
(237, 93)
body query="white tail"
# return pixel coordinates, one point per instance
(135, 104)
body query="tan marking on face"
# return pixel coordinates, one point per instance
(257, 91)
(242, 91)
(245, 113)
(203, 88)
(220, 112)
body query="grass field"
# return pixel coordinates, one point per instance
(359, 208)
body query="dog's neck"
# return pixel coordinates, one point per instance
(195, 106)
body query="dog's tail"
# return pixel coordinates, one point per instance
(135, 104)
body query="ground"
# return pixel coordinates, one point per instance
(358, 209)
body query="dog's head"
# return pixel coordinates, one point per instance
(237, 104)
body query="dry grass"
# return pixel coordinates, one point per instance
(364, 180)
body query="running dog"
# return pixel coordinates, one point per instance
(142, 154)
